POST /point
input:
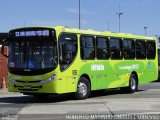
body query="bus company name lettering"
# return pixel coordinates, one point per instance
(134, 66)
(96, 67)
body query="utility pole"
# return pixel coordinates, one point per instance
(119, 16)
(79, 14)
(145, 30)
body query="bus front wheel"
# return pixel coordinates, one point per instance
(83, 89)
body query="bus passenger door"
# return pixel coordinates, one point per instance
(67, 55)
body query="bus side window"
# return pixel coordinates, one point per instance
(102, 48)
(87, 48)
(128, 49)
(115, 48)
(140, 49)
(151, 49)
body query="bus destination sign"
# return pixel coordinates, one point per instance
(32, 33)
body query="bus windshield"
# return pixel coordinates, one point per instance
(37, 53)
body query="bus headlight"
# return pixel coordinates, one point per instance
(47, 80)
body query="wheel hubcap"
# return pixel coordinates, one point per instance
(133, 84)
(82, 89)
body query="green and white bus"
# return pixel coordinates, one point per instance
(58, 60)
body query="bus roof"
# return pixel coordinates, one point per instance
(104, 33)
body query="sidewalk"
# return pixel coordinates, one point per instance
(4, 91)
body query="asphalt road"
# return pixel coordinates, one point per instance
(111, 104)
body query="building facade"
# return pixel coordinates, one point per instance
(3, 61)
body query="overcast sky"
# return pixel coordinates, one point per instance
(99, 15)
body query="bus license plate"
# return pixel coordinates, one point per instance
(27, 87)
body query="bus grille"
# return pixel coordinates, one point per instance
(29, 88)
(32, 88)
(27, 81)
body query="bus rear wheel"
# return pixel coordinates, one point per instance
(83, 89)
(133, 85)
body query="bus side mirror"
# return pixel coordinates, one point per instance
(5, 44)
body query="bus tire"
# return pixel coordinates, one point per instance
(83, 89)
(133, 84)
